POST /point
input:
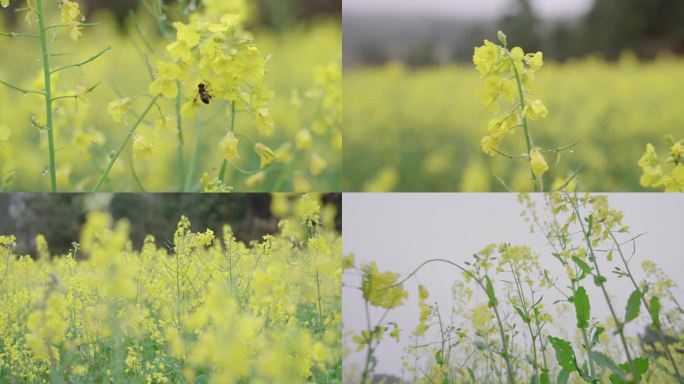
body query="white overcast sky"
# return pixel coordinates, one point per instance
(399, 231)
(465, 8)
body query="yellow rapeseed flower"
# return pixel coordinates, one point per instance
(142, 147)
(228, 146)
(118, 109)
(266, 154)
(537, 162)
(318, 164)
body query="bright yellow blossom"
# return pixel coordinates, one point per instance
(537, 162)
(265, 153)
(142, 147)
(118, 109)
(228, 146)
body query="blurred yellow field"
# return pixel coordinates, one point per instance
(289, 139)
(420, 130)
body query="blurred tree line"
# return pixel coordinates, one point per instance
(274, 14)
(60, 216)
(609, 28)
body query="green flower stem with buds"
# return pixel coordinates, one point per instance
(618, 323)
(45, 55)
(123, 145)
(538, 183)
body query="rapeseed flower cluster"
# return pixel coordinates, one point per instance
(669, 174)
(217, 54)
(507, 74)
(201, 308)
(379, 287)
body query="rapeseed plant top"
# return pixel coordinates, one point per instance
(507, 73)
(668, 174)
(378, 287)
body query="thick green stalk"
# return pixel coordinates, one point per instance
(45, 54)
(123, 145)
(538, 183)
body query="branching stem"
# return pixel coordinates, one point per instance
(123, 145)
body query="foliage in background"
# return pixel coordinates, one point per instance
(58, 217)
(604, 28)
(195, 309)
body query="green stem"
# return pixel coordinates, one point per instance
(369, 350)
(123, 145)
(509, 369)
(181, 142)
(538, 183)
(84, 62)
(521, 295)
(224, 165)
(193, 158)
(587, 347)
(45, 53)
(14, 34)
(618, 323)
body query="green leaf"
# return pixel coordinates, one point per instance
(633, 306)
(493, 302)
(563, 376)
(582, 264)
(438, 358)
(599, 280)
(482, 346)
(654, 310)
(640, 365)
(597, 334)
(564, 354)
(606, 362)
(523, 316)
(545, 377)
(582, 308)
